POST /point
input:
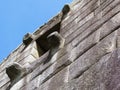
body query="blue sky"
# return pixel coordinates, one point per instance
(17, 17)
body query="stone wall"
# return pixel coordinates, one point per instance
(87, 60)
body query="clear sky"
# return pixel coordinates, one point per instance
(17, 17)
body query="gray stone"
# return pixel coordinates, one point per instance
(107, 45)
(15, 72)
(86, 29)
(55, 82)
(27, 39)
(104, 75)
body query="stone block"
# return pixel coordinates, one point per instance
(118, 38)
(75, 13)
(35, 53)
(86, 29)
(56, 81)
(28, 59)
(30, 50)
(53, 69)
(78, 23)
(31, 85)
(31, 45)
(20, 83)
(38, 67)
(103, 31)
(81, 64)
(83, 16)
(49, 69)
(83, 46)
(3, 80)
(75, 2)
(4, 87)
(110, 6)
(116, 19)
(102, 6)
(103, 75)
(95, 26)
(23, 55)
(28, 77)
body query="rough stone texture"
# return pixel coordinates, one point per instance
(89, 60)
(103, 75)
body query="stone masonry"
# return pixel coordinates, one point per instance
(78, 49)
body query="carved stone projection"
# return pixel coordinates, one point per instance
(15, 72)
(89, 60)
(27, 39)
(56, 42)
(65, 10)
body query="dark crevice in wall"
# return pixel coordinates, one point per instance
(42, 42)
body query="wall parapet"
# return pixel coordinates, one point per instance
(82, 44)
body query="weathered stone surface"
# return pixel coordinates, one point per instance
(55, 82)
(53, 69)
(84, 45)
(3, 80)
(103, 31)
(111, 6)
(107, 45)
(78, 17)
(4, 86)
(30, 52)
(78, 22)
(45, 74)
(75, 12)
(48, 85)
(102, 6)
(86, 29)
(88, 61)
(28, 59)
(35, 53)
(29, 77)
(20, 84)
(104, 75)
